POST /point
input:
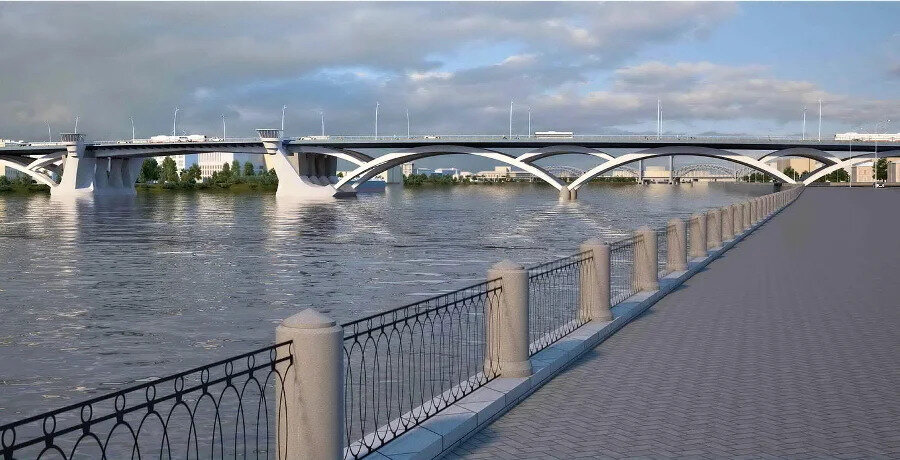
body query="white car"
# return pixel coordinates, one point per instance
(879, 184)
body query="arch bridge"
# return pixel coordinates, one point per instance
(306, 167)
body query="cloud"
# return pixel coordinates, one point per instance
(106, 62)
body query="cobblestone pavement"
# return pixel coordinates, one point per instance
(787, 346)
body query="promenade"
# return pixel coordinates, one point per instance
(787, 346)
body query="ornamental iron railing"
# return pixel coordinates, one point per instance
(621, 270)
(406, 365)
(227, 409)
(558, 299)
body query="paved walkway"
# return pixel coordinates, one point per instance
(787, 346)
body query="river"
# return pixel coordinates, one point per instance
(95, 296)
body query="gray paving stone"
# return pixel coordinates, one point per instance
(786, 347)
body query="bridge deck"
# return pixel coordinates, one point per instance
(788, 346)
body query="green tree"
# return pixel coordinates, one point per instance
(149, 171)
(789, 171)
(881, 169)
(225, 173)
(169, 170)
(249, 170)
(235, 168)
(190, 175)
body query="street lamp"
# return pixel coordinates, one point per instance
(377, 104)
(283, 108)
(322, 115)
(820, 120)
(132, 128)
(174, 120)
(76, 124)
(224, 133)
(803, 136)
(510, 117)
(658, 118)
(529, 121)
(407, 123)
(49, 134)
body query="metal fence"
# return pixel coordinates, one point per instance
(621, 269)
(555, 298)
(227, 409)
(406, 365)
(662, 248)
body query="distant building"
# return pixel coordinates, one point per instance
(408, 168)
(504, 173)
(801, 165)
(213, 162)
(446, 172)
(181, 161)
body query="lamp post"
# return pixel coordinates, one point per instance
(407, 123)
(49, 134)
(322, 115)
(376, 119)
(658, 118)
(529, 121)
(174, 121)
(820, 120)
(510, 118)
(224, 132)
(76, 126)
(283, 108)
(132, 128)
(803, 136)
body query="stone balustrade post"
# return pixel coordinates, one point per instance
(646, 260)
(698, 236)
(713, 229)
(745, 211)
(310, 407)
(594, 282)
(727, 224)
(508, 332)
(676, 241)
(736, 216)
(754, 205)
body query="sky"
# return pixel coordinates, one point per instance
(591, 68)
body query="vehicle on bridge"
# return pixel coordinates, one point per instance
(554, 134)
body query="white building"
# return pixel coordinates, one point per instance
(181, 161)
(213, 162)
(446, 172)
(409, 168)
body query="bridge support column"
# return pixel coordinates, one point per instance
(310, 406)
(727, 224)
(698, 236)
(508, 331)
(594, 282)
(646, 260)
(78, 169)
(676, 240)
(303, 177)
(566, 194)
(713, 229)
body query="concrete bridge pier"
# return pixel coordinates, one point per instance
(78, 169)
(301, 176)
(566, 194)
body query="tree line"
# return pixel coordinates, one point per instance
(166, 175)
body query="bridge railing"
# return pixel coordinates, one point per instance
(356, 387)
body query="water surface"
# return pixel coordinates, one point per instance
(94, 296)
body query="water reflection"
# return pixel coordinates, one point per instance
(97, 294)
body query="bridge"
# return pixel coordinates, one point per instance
(307, 166)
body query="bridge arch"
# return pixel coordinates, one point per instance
(679, 151)
(16, 164)
(682, 171)
(804, 152)
(383, 163)
(553, 150)
(847, 163)
(352, 156)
